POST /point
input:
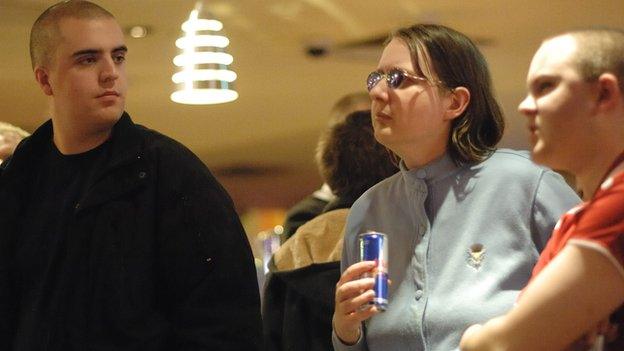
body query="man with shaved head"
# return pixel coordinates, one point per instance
(575, 115)
(114, 237)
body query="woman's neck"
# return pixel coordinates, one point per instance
(418, 158)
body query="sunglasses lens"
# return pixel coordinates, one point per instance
(372, 80)
(395, 78)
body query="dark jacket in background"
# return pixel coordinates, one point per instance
(303, 211)
(298, 307)
(298, 300)
(167, 260)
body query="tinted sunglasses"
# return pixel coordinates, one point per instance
(394, 78)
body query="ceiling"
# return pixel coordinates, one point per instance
(261, 146)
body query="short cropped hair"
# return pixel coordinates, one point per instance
(9, 129)
(10, 136)
(45, 32)
(356, 101)
(599, 51)
(349, 158)
(457, 62)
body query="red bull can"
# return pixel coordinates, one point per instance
(374, 247)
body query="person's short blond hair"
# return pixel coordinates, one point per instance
(599, 50)
(356, 101)
(10, 136)
(7, 128)
(45, 32)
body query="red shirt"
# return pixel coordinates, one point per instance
(597, 224)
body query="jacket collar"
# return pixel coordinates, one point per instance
(430, 173)
(126, 166)
(126, 144)
(338, 203)
(126, 163)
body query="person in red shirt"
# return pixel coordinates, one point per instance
(575, 114)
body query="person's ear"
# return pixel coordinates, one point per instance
(460, 98)
(609, 92)
(43, 79)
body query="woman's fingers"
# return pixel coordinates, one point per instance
(361, 314)
(353, 288)
(354, 302)
(353, 294)
(349, 314)
(355, 271)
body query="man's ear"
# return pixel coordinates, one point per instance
(609, 92)
(460, 98)
(43, 79)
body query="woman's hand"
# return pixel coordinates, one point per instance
(352, 296)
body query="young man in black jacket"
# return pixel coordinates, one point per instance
(114, 237)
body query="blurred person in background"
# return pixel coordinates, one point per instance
(313, 204)
(10, 136)
(575, 113)
(299, 295)
(465, 222)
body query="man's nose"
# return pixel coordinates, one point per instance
(110, 71)
(527, 106)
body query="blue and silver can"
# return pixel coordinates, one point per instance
(374, 247)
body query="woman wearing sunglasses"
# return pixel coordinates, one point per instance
(465, 222)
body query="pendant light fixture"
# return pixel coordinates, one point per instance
(203, 76)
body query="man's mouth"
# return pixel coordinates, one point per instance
(109, 93)
(382, 116)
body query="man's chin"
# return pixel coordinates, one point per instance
(538, 155)
(541, 157)
(108, 118)
(111, 113)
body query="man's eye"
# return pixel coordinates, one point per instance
(87, 60)
(119, 58)
(543, 86)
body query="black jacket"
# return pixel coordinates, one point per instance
(298, 306)
(298, 303)
(168, 263)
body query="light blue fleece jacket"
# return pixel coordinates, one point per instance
(462, 244)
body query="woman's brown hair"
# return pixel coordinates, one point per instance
(457, 62)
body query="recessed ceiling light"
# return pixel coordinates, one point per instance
(138, 31)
